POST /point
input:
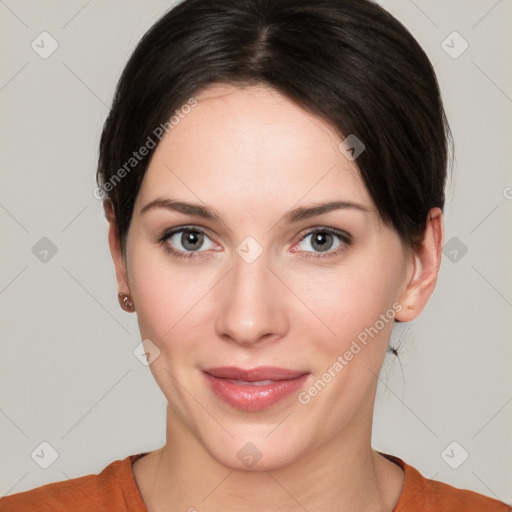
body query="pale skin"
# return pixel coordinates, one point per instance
(252, 155)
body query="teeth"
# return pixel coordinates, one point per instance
(248, 383)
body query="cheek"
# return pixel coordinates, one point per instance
(168, 295)
(352, 298)
(356, 304)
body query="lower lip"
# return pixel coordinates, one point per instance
(253, 397)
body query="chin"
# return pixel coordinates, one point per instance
(255, 456)
(266, 446)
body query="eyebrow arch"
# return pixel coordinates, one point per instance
(298, 214)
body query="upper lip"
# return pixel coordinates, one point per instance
(254, 374)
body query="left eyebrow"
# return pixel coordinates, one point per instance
(297, 214)
(303, 212)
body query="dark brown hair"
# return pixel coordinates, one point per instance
(348, 61)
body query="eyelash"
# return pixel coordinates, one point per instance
(344, 237)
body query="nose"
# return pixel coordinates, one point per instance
(251, 303)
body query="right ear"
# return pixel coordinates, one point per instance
(116, 249)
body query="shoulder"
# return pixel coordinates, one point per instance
(113, 489)
(420, 494)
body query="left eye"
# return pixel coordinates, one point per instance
(323, 241)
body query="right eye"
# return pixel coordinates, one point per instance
(185, 241)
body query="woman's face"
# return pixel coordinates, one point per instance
(261, 288)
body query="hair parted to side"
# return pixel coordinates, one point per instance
(348, 61)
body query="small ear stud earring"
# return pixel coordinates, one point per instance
(126, 303)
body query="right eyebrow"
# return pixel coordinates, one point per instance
(184, 207)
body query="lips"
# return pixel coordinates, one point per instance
(254, 374)
(253, 389)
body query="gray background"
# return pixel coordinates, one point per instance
(68, 373)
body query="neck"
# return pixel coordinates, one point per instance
(344, 474)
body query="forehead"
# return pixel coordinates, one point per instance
(254, 146)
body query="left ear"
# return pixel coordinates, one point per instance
(426, 257)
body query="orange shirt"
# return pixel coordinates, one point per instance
(115, 490)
